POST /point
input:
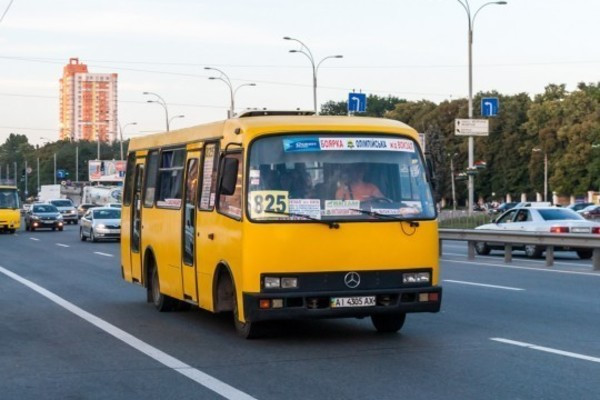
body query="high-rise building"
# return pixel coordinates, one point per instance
(88, 104)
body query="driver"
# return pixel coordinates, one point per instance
(357, 188)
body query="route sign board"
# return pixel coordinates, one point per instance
(489, 106)
(357, 102)
(471, 127)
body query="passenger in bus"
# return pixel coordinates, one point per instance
(355, 187)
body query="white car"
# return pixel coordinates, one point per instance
(539, 219)
(66, 209)
(100, 223)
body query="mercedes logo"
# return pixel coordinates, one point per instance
(352, 280)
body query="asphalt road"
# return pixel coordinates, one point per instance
(504, 332)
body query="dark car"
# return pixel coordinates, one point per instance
(579, 206)
(43, 216)
(591, 212)
(503, 207)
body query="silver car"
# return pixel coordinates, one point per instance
(67, 210)
(100, 223)
(539, 219)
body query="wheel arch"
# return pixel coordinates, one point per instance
(222, 302)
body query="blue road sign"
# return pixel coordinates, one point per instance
(357, 102)
(61, 174)
(489, 106)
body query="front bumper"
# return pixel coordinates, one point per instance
(298, 305)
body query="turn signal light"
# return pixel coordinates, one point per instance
(559, 229)
(264, 303)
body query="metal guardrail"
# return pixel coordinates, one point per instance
(510, 238)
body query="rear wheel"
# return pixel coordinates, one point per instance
(482, 248)
(585, 254)
(533, 251)
(388, 323)
(161, 302)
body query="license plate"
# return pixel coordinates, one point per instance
(363, 301)
(114, 231)
(580, 230)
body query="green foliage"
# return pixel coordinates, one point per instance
(377, 106)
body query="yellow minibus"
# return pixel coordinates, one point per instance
(277, 215)
(10, 212)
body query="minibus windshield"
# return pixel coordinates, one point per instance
(9, 199)
(330, 177)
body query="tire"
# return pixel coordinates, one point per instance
(585, 254)
(26, 226)
(81, 235)
(92, 237)
(533, 251)
(32, 228)
(388, 323)
(11, 231)
(482, 248)
(60, 229)
(162, 302)
(53, 228)
(248, 329)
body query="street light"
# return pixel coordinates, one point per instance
(315, 66)
(175, 117)
(225, 78)
(452, 175)
(537, 150)
(162, 102)
(467, 7)
(121, 129)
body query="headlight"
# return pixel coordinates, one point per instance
(272, 282)
(416, 277)
(100, 226)
(289, 283)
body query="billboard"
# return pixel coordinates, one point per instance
(106, 170)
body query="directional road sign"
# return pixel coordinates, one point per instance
(489, 106)
(471, 127)
(357, 102)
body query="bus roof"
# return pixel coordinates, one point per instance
(246, 128)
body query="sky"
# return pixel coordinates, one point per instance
(412, 49)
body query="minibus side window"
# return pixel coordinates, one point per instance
(151, 172)
(232, 205)
(170, 179)
(129, 179)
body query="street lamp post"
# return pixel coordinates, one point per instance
(537, 150)
(315, 66)
(452, 175)
(175, 117)
(471, 19)
(162, 102)
(121, 129)
(232, 91)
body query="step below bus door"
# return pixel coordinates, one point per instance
(188, 234)
(136, 224)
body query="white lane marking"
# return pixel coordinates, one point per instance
(556, 262)
(36, 239)
(548, 350)
(557, 271)
(483, 285)
(103, 254)
(62, 245)
(209, 382)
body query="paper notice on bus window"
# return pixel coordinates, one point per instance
(341, 207)
(308, 207)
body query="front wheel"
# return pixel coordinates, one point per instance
(92, 236)
(161, 302)
(248, 329)
(585, 254)
(12, 231)
(388, 323)
(81, 235)
(482, 248)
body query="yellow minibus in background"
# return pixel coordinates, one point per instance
(10, 212)
(277, 215)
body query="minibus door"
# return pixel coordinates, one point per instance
(136, 223)
(188, 234)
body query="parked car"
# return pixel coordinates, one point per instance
(43, 216)
(100, 223)
(502, 208)
(539, 219)
(83, 207)
(591, 212)
(579, 206)
(66, 209)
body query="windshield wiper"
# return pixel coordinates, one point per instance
(331, 224)
(385, 216)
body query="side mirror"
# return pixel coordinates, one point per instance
(229, 176)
